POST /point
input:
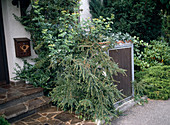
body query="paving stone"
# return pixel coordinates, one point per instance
(15, 110)
(27, 91)
(34, 103)
(42, 119)
(34, 123)
(19, 123)
(32, 117)
(64, 116)
(53, 122)
(44, 114)
(75, 120)
(46, 99)
(89, 123)
(51, 109)
(14, 95)
(51, 115)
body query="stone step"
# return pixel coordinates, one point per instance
(21, 110)
(19, 100)
(13, 94)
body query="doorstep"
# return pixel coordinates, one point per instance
(19, 100)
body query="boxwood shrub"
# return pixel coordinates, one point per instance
(156, 80)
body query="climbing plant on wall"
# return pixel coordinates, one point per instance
(72, 62)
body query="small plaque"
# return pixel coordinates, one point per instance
(22, 47)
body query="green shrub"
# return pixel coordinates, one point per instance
(152, 54)
(3, 121)
(156, 80)
(72, 62)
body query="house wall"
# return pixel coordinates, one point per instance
(14, 29)
(85, 14)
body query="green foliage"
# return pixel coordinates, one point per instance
(97, 8)
(72, 62)
(147, 55)
(164, 5)
(156, 80)
(137, 17)
(166, 27)
(3, 121)
(45, 23)
(139, 88)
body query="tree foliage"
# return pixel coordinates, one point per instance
(137, 17)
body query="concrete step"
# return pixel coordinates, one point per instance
(21, 110)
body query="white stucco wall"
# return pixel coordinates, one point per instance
(13, 29)
(85, 14)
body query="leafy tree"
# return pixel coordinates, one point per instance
(137, 17)
(97, 8)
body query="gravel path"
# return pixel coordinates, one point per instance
(155, 112)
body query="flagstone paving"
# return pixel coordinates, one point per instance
(52, 116)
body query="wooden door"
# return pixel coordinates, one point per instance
(123, 58)
(4, 78)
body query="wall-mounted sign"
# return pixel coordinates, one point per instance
(22, 47)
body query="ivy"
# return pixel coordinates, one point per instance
(72, 63)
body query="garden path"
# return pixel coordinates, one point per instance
(155, 112)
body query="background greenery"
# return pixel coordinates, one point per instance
(155, 53)
(152, 69)
(142, 18)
